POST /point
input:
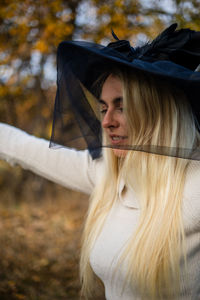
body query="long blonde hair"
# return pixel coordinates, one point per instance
(157, 114)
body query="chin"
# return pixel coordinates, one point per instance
(120, 152)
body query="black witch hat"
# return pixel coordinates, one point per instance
(174, 56)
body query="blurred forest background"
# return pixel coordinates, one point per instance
(41, 222)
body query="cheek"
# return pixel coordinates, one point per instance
(123, 124)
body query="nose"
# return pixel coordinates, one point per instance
(109, 120)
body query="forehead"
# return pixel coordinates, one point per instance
(111, 89)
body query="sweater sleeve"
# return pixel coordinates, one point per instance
(68, 167)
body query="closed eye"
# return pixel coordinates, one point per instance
(103, 111)
(117, 102)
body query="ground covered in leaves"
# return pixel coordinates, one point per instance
(40, 243)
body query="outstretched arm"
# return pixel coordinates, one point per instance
(68, 167)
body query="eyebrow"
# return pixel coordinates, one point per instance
(114, 101)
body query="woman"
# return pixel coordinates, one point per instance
(142, 232)
(139, 196)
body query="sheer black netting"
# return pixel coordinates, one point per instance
(80, 64)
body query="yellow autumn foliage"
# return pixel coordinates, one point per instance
(31, 26)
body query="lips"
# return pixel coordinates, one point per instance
(117, 139)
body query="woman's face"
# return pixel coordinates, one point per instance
(113, 119)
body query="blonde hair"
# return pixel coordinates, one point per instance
(155, 112)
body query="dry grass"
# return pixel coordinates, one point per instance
(40, 230)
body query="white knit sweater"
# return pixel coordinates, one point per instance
(76, 170)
